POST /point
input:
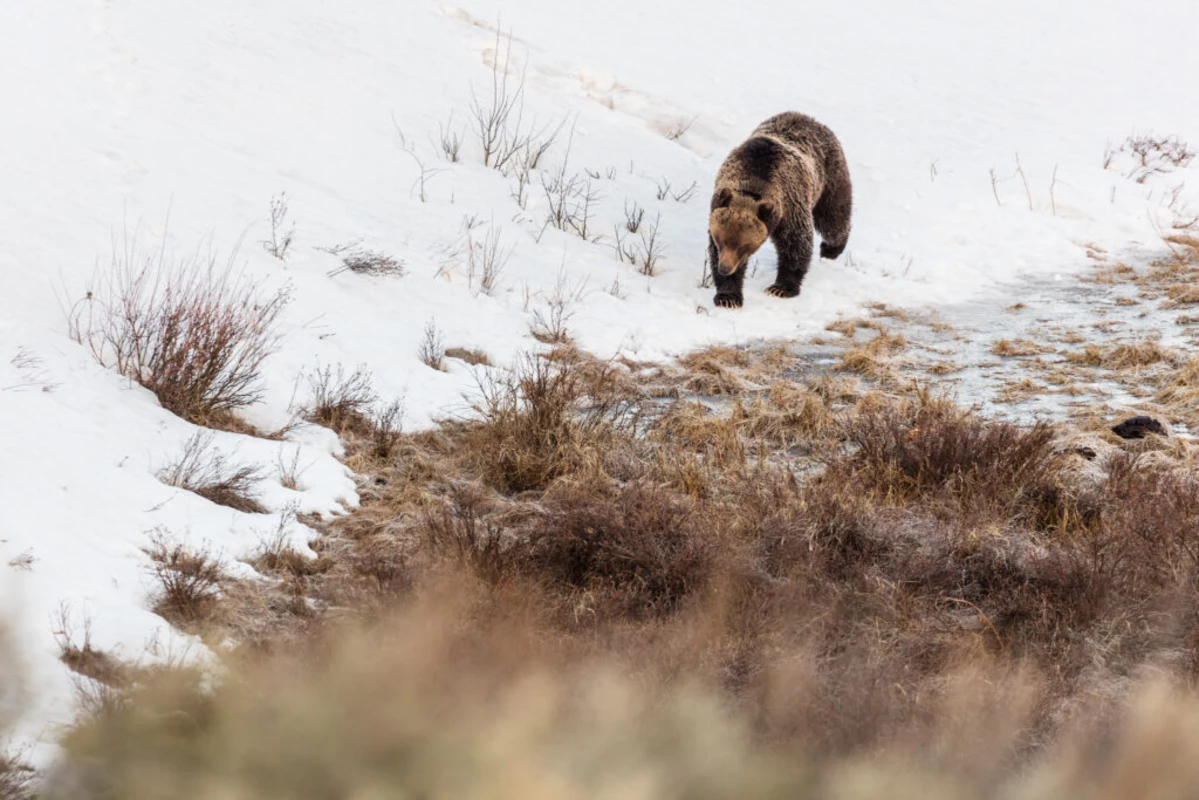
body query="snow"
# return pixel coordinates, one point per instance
(180, 122)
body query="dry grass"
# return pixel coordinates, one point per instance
(1131, 355)
(469, 355)
(849, 327)
(1136, 354)
(195, 333)
(715, 371)
(875, 358)
(579, 592)
(1018, 347)
(203, 469)
(1184, 245)
(1184, 294)
(1180, 393)
(1018, 391)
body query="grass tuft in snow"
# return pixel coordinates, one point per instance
(370, 262)
(83, 659)
(432, 347)
(469, 355)
(340, 401)
(203, 469)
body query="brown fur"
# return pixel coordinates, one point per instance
(786, 182)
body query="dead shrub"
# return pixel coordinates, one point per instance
(551, 325)
(460, 530)
(637, 550)
(17, 779)
(204, 470)
(193, 332)
(1150, 526)
(537, 424)
(188, 581)
(1031, 599)
(929, 447)
(387, 429)
(1155, 155)
(821, 531)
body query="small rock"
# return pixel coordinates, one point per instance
(1086, 452)
(1137, 427)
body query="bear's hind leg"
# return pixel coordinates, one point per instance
(793, 242)
(831, 217)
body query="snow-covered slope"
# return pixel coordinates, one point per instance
(179, 122)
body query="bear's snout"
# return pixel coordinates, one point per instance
(727, 264)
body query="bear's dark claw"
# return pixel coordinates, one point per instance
(728, 301)
(778, 290)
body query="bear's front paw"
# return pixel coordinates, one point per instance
(728, 301)
(778, 290)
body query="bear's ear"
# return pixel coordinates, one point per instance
(722, 198)
(768, 214)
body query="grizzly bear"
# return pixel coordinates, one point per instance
(788, 179)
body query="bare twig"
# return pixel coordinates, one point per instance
(1024, 180)
(1052, 187)
(425, 174)
(450, 139)
(686, 194)
(280, 241)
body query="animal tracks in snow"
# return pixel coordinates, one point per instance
(701, 133)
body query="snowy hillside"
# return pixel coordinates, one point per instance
(976, 135)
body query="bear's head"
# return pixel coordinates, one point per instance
(739, 225)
